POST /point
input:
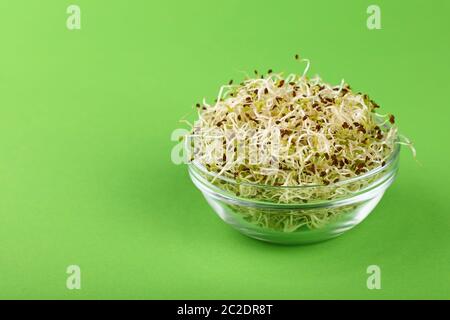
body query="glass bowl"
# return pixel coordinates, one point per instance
(299, 214)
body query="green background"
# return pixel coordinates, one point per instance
(85, 171)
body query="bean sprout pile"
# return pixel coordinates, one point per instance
(322, 134)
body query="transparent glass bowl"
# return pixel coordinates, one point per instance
(295, 215)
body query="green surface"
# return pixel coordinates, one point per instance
(85, 169)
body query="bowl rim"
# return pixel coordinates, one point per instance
(389, 161)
